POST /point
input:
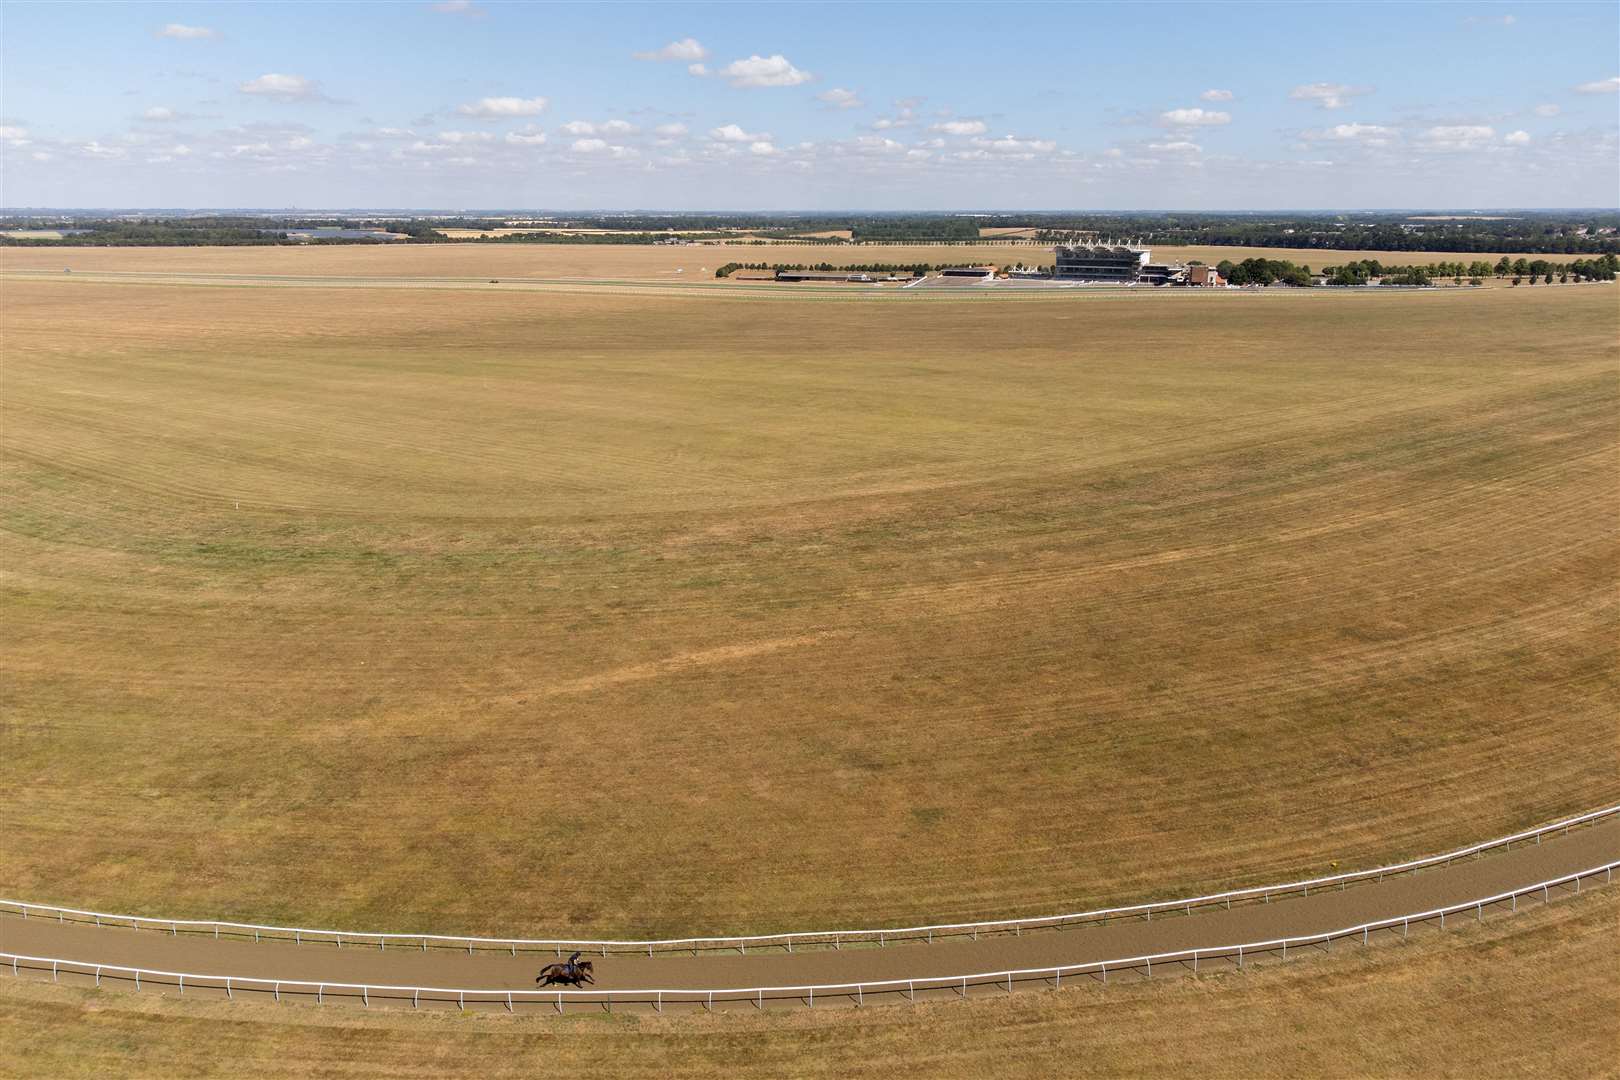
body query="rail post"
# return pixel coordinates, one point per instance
(1105, 974)
(1195, 960)
(54, 977)
(277, 992)
(860, 998)
(1240, 956)
(98, 974)
(509, 1002)
(137, 978)
(365, 997)
(182, 986)
(812, 997)
(320, 993)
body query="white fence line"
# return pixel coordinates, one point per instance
(826, 938)
(760, 994)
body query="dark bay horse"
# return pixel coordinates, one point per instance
(575, 974)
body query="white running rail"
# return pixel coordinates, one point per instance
(1188, 959)
(835, 939)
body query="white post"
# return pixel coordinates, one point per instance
(137, 978)
(320, 994)
(277, 992)
(860, 999)
(365, 997)
(1195, 959)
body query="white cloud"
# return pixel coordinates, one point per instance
(529, 136)
(762, 148)
(495, 107)
(609, 127)
(1459, 136)
(284, 88)
(1011, 144)
(839, 98)
(13, 132)
(732, 133)
(672, 130)
(1600, 86)
(158, 114)
(961, 127)
(1328, 95)
(1194, 118)
(756, 71)
(459, 7)
(1517, 138)
(1113, 152)
(98, 150)
(394, 133)
(685, 49)
(182, 32)
(601, 147)
(459, 137)
(700, 70)
(1548, 110)
(1216, 95)
(1371, 134)
(1180, 146)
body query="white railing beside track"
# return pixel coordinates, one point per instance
(834, 939)
(851, 992)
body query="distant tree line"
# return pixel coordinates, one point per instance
(1535, 270)
(913, 269)
(1263, 272)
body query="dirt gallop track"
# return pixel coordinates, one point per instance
(1319, 913)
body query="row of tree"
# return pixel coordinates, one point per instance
(1263, 272)
(1602, 268)
(913, 269)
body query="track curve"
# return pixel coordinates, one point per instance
(1303, 916)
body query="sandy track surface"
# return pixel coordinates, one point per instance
(1320, 912)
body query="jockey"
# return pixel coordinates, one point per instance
(572, 967)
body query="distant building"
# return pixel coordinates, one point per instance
(968, 271)
(1105, 262)
(1204, 275)
(1162, 274)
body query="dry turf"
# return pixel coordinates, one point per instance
(553, 613)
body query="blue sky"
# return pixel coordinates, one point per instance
(811, 106)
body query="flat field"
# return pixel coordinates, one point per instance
(609, 261)
(555, 613)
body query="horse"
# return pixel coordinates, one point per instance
(554, 974)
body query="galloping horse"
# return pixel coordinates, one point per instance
(573, 973)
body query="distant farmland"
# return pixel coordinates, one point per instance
(563, 613)
(632, 262)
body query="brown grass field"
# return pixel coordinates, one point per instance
(1531, 995)
(525, 613)
(612, 261)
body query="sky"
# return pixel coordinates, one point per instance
(471, 104)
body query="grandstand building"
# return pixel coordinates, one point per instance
(1104, 262)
